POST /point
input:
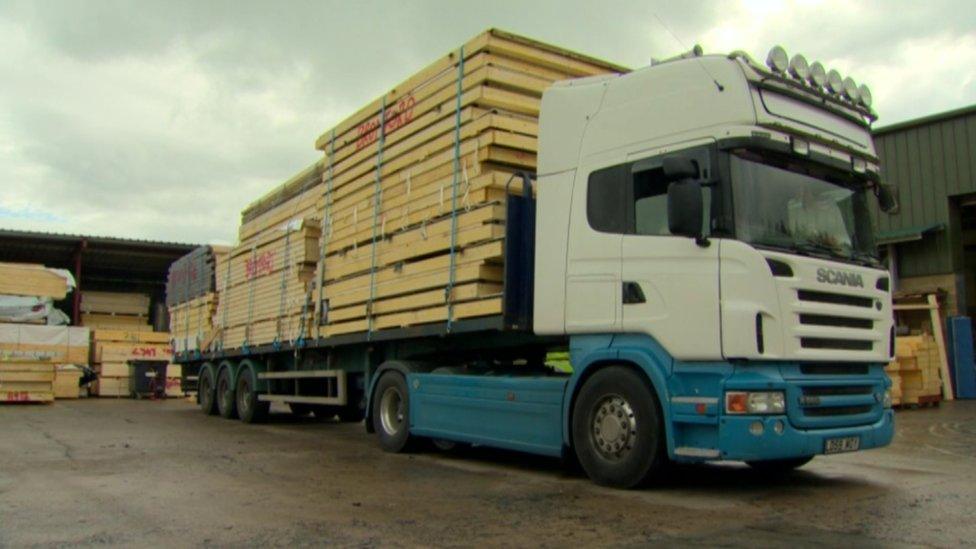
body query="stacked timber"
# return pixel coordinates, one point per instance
(28, 293)
(264, 287)
(193, 275)
(413, 186)
(112, 350)
(115, 311)
(30, 355)
(67, 380)
(191, 324)
(174, 381)
(915, 371)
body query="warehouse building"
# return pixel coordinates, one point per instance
(931, 242)
(99, 263)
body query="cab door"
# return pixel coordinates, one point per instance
(669, 284)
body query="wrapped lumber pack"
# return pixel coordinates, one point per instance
(28, 293)
(414, 186)
(115, 311)
(30, 355)
(191, 296)
(67, 378)
(915, 371)
(112, 350)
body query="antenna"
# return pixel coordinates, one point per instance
(695, 53)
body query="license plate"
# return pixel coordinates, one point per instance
(843, 444)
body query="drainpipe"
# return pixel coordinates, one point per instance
(76, 300)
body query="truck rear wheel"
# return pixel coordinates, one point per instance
(226, 404)
(206, 390)
(249, 408)
(391, 413)
(617, 430)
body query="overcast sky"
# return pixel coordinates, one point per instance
(163, 120)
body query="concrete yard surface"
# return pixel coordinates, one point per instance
(140, 473)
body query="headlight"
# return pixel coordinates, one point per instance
(851, 91)
(865, 93)
(835, 82)
(887, 398)
(777, 60)
(818, 75)
(799, 67)
(755, 402)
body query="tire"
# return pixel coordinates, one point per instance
(617, 431)
(206, 390)
(226, 403)
(249, 408)
(779, 466)
(391, 413)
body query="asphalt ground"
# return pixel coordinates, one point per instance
(160, 473)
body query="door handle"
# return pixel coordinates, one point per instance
(633, 294)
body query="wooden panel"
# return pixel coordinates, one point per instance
(31, 280)
(115, 303)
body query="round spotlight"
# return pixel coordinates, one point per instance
(799, 67)
(777, 60)
(818, 75)
(850, 90)
(835, 83)
(865, 93)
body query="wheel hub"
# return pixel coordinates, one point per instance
(391, 411)
(614, 427)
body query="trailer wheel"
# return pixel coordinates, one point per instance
(617, 430)
(226, 404)
(779, 466)
(249, 408)
(206, 390)
(391, 413)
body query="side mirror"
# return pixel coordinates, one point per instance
(677, 168)
(887, 198)
(685, 210)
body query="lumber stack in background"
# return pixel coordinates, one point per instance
(30, 355)
(915, 371)
(425, 165)
(26, 279)
(191, 324)
(113, 349)
(115, 310)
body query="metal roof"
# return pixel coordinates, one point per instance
(109, 263)
(929, 119)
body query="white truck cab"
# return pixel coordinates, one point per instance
(711, 215)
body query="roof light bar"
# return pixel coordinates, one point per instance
(777, 60)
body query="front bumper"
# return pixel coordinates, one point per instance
(737, 443)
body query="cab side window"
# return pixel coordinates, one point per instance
(632, 198)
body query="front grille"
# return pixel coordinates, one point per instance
(834, 299)
(838, 411)
(837, 390)
(836, 344)
(834, 369)
(836, 321)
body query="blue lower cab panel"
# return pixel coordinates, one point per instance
(738, 443)
(517, 413)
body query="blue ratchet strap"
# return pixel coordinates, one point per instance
(449, 290)
(378, 195)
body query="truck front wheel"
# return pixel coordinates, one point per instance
(617, 430)
(391, 413)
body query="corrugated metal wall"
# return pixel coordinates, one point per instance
(929, 160)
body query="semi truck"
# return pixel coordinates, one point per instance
(697, 239)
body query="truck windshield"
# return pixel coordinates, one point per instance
(786, 203)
